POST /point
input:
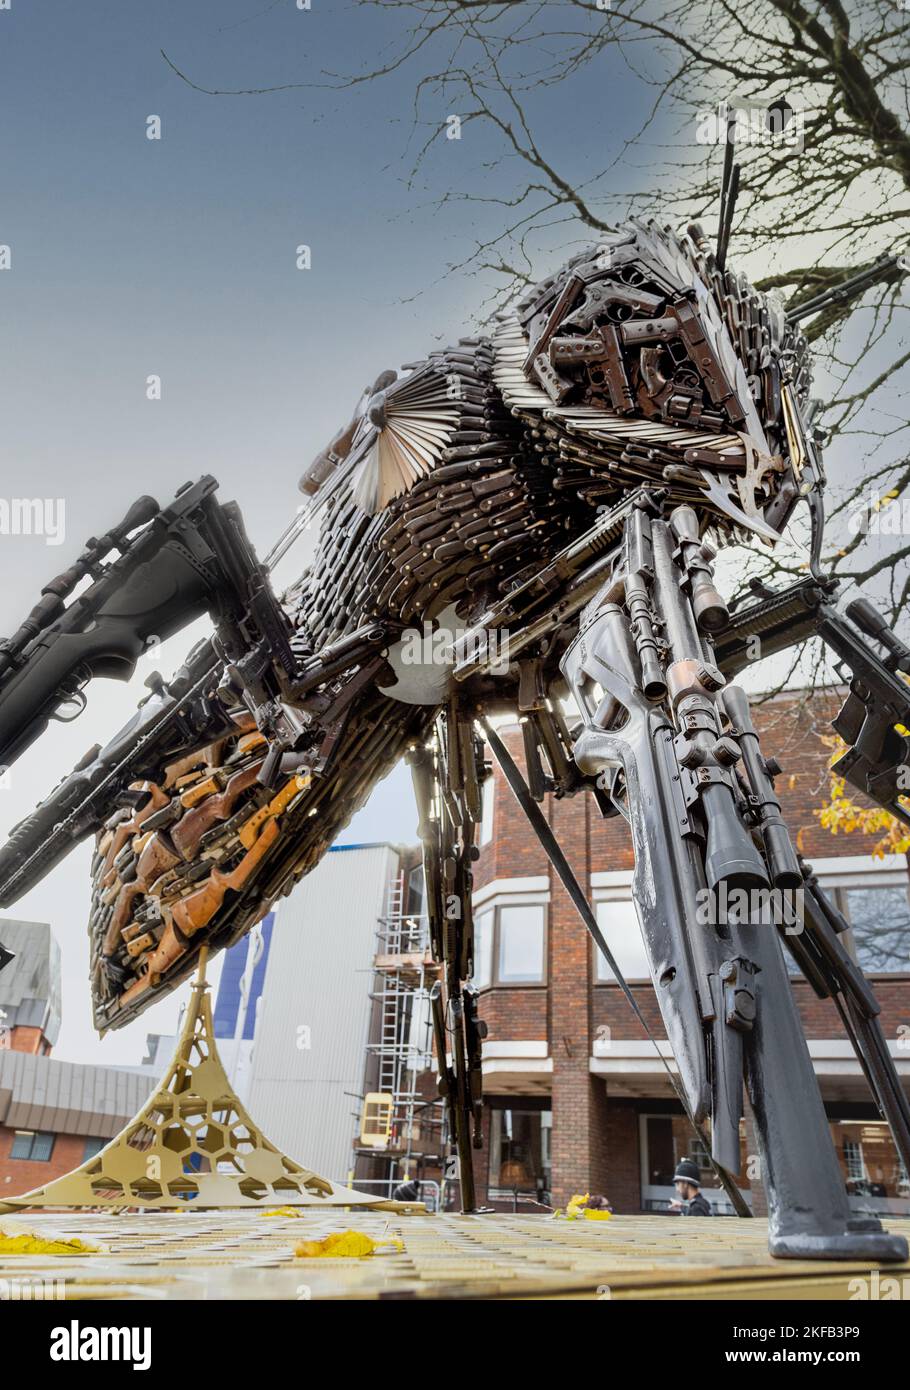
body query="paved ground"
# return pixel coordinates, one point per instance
(243, 1254)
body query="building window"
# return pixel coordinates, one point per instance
(520, 1153)
(32, 1144)
(483, 949)
(874, 1175)
(880, 922)
(659, 1151)
(853, 1161)
(510, 944)
(416, 892)
(618, 921)
(92, 1147)
(520, 958)
(486, 820)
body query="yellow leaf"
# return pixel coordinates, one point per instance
(345, 1245)
(575, 1205)
(23, 1240)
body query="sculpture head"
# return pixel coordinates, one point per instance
(646, 360)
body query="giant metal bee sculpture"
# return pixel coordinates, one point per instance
(563, 483)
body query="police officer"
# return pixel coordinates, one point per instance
(687, 1181)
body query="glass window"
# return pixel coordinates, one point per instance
(415, 891)
(42, 1144)
(618, 921)
(28, 1143)
(853, 1160)
(660, 1153)
(520, 1150)
(666, 1139)
(486, 822)
(483, 949)
(880, 918)
(874, 1175)
(521, 944)
(92, 1147)
(22, 1144)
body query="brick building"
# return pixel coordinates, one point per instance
(576, 1099)
(29, 988)
(53, 1115)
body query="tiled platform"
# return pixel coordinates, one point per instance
(248, 1255)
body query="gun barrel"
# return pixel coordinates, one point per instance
(870, 621)
(782, 860)
(730, 855)
(849, 287)
(639, 564)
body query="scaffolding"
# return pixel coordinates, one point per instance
(400, 1047)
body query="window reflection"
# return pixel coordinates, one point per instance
(520, 1153)
(880, 922)
(521, 934)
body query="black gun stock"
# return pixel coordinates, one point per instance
(189, 558)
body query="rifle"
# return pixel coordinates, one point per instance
(708, 834)
(680, 798)
(849, 288)
(169, 722)
(172, 564)
(551, 595)
(878, 698)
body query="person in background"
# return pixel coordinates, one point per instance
(687, 1181)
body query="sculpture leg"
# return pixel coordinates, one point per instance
(447, 772)
(707, 830)
(808, 1209)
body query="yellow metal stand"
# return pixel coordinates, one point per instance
(192, 1145)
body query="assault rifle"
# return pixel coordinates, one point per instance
(877, 760)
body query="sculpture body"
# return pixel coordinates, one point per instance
(552, 490)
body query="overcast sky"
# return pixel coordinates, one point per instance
(176, 257)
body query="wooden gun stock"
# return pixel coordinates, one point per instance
(128, 828)
(198, 908)
(191, 828)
